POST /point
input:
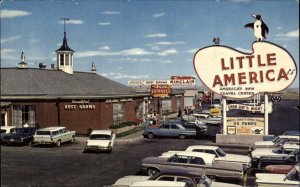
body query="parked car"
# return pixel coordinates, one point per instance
(6, 130)
(192, 179)
(220, 155)
(169, 130)
(269, 179)
(281, 169)
(208, 119)
(54, 135)
(283, 150)
(194, 161)
(279, 140)
(158, 184)
(198, 126)
(21, 136)
(100, 140)
(291, 159)
(295, 133)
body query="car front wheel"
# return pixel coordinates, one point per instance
(152, 171)
(72, 139)
(182, 136)
(58, 143)
(150, 135)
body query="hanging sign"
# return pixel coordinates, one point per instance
(235, 74)
(161, 90)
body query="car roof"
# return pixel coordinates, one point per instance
(108, 132)
(181, 172)
(196, 154)
(208, 147)
(7, 127)
(54, 128)
(289, 136)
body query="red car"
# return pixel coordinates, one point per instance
(282, 169)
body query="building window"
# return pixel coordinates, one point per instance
(67, 59)
(118, 113)
(62, 59)
(24, 114)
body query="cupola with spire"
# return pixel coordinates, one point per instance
(65, 54)
(22, 63)
(93, 70)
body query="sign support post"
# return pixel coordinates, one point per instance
(224, 115)
(266, 114)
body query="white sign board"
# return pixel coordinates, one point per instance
(235, 74)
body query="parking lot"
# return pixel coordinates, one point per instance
(69, 166)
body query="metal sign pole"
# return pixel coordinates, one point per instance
(224, 115)
(266, 115)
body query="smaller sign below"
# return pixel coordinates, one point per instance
(161, 90)
(252, 108)
(245, 126)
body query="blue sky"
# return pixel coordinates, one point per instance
(139, 39)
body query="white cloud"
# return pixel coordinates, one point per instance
(110, 13)
(192, 51)
(33, 40)
(166, 61)
(73, 21)
(105, 47)
(157, 15)
(167, 52)
(156, 35)
(10, 39)
(278, 28)
(243, 50)
(8, 54)
(13, 13)
(124, 76)
(104, 23)
(128, 52)
(155, 48)
(166, 43)
(292, 34)
(240, 1)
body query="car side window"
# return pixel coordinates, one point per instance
(61, 131)
(181, 159)
(165, 126)
(165, 178)
(174, 127)
(187, 181)
(198, 150)
(211, 152)
(54, 133)
(197, 160)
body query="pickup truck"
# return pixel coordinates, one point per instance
(169, 130)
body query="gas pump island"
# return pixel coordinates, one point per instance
(235, 74)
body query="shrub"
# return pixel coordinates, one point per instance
(124, 124)
(89, 131)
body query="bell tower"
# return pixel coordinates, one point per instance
(65, 54)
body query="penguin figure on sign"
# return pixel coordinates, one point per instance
(259, 27)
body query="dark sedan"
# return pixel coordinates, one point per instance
(291, 159)
(21, 136)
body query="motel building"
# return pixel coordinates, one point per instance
(63, 97)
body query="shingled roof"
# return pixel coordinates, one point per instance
(32, 82)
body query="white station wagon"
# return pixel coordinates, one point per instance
(54, 135)
(100, 140)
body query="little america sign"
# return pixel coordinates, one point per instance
(235, 74)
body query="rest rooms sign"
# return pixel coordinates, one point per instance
(245, 125)
(232, 73)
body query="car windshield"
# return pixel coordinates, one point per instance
(220, 152)
(276, 139)
(3, 131)
(42, 132)
(22, 131)
(100, 137)
(293, 175)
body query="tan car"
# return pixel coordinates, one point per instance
(194, 161)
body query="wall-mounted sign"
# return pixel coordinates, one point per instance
(183, 81)
(235, 74)
(80, 104)
(118, 100)
(161, 90)
(245, 125)
(254, 108)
